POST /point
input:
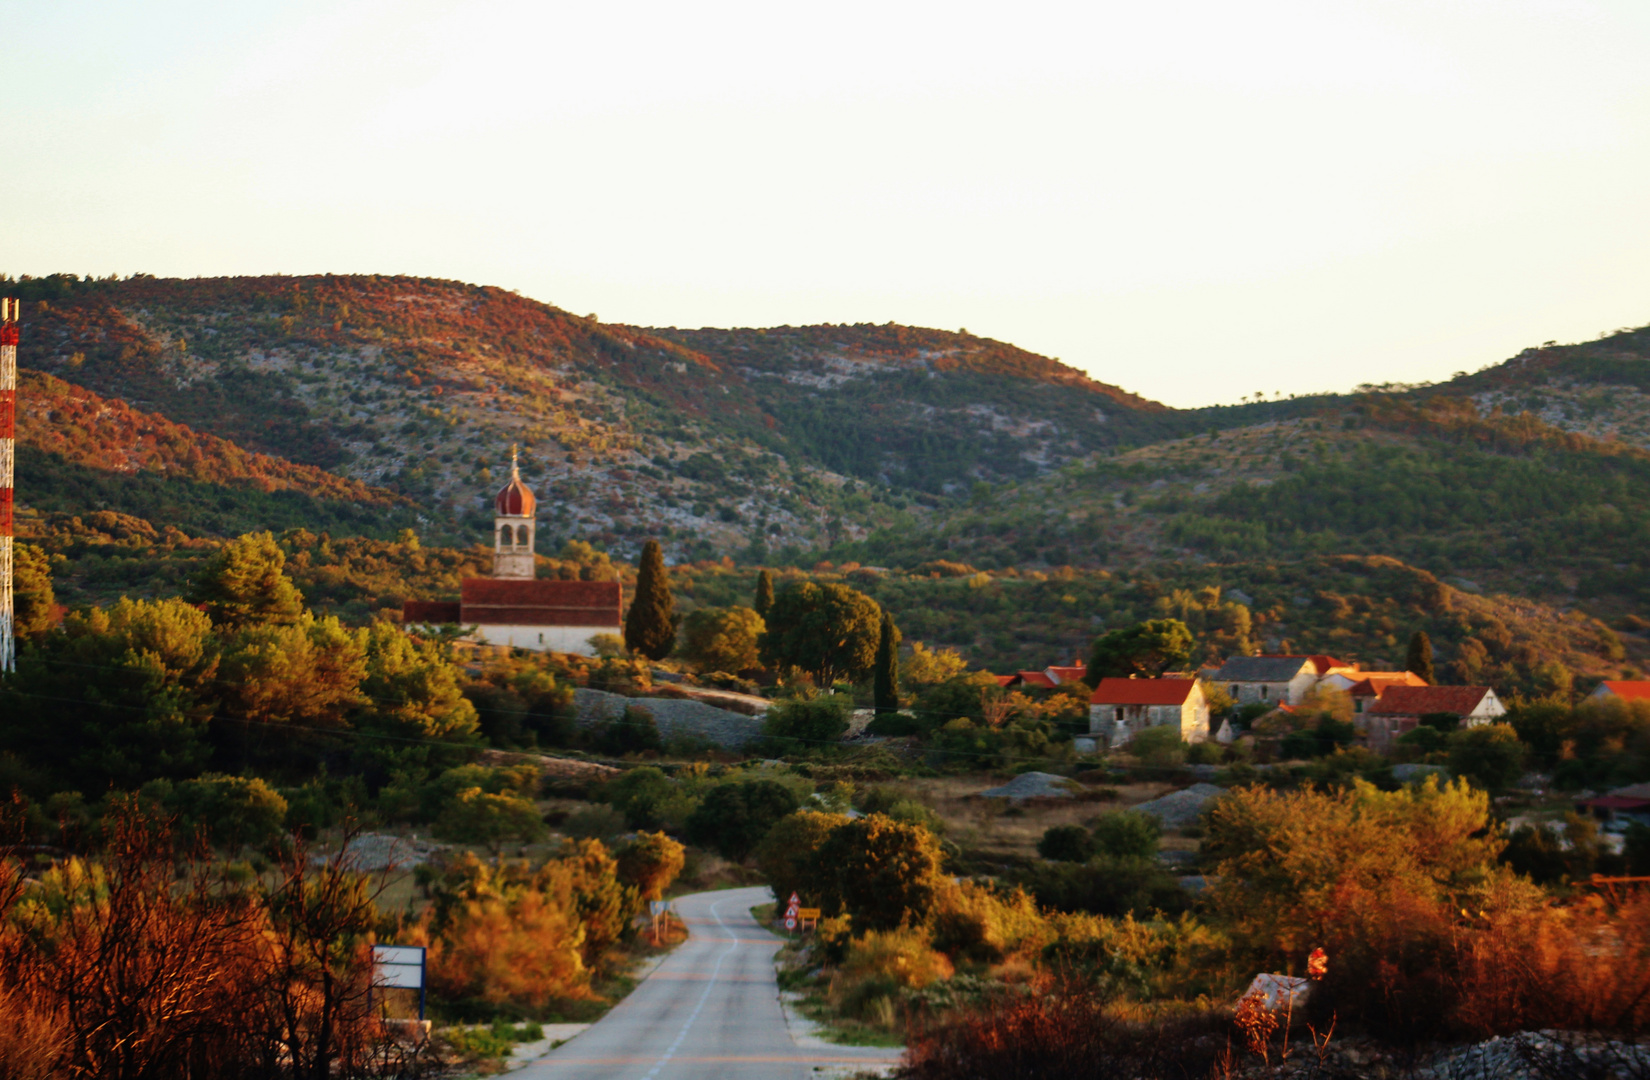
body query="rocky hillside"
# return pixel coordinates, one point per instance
(716, 441)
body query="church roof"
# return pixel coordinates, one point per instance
(516, 500)
(531, 602)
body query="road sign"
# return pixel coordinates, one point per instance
(807, 913)
(795, 900)
(400, 967)
(790, 922)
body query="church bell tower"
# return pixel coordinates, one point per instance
(513, 527)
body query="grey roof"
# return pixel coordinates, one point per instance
(1273, 669)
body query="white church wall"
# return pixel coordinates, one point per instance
(567, 639)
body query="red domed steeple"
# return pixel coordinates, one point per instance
(516, 500)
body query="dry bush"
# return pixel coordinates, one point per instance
(144, 965)
(975, 922)
(1068, 1033)
(1581, 968)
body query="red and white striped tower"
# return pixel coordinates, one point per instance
(9, 310)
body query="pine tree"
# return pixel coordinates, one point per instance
(650, 625)
(885, 674)
(764, 593)
(1420, 656)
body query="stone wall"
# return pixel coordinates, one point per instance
(673, 715)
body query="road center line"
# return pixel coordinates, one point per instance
(710, 985)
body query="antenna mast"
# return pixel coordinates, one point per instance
(9, 310)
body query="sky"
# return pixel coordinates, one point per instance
(1198, 201)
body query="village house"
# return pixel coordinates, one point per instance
(1622, 689)
(1120, 709)
(1272, 680)
(1399, 709)
(512, 608)
(1367, 689)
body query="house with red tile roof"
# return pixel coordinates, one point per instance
(1065, 673)
(1366, 687)
(1624, 689)
(1120, 709)
(1399, 710)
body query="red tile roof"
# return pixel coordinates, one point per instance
(1421, 700)
(1066, 674)
(1037, 678)
(429, 612)
(529, 602)
(1142, 691)
(1375, 683)
(1615, 802)
(1630, 689)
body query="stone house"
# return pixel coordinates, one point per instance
(1399, 710)
(1119, 709)
(1271, 680)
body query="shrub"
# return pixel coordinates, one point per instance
(803, 724)
(593, 822)
(634, 733)
(638, 793)
(1108, 885)
(1066, 843)
(733, 818)
(1127, 834)
(1159, 746)
(976, 922)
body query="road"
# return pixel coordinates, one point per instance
(710, 1011)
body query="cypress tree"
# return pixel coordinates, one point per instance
(650, 625)
(1420, 656)
(764, 593)
(885, 673)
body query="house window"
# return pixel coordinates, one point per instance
(1263, 693)
(1119, 712)
(1235, 689)
(541, 639)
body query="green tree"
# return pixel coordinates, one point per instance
(733, 818)
(638, 793)
(649, 863)
(1419, 660)
(245, 582)
(880, 872)
(829, 631)
(475, 816)
(1489, 755)
(787, 855)
(117, 695)
(308, 672)
(1146, 650)
(764, 592)
(885, 673)
(232, 811)
(34, 605)
(722, 639)
(650, 624)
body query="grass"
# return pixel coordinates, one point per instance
(793, 965)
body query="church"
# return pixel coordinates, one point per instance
(513, 607)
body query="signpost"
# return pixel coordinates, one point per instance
(808, 915)
(791, 911)
(656, 908)
(400, 967)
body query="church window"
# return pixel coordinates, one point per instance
(521, 535)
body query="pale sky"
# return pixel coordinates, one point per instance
(1194, 200)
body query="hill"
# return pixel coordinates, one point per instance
(79, 452)
(717, 441)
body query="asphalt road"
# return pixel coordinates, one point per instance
(710, 1010)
